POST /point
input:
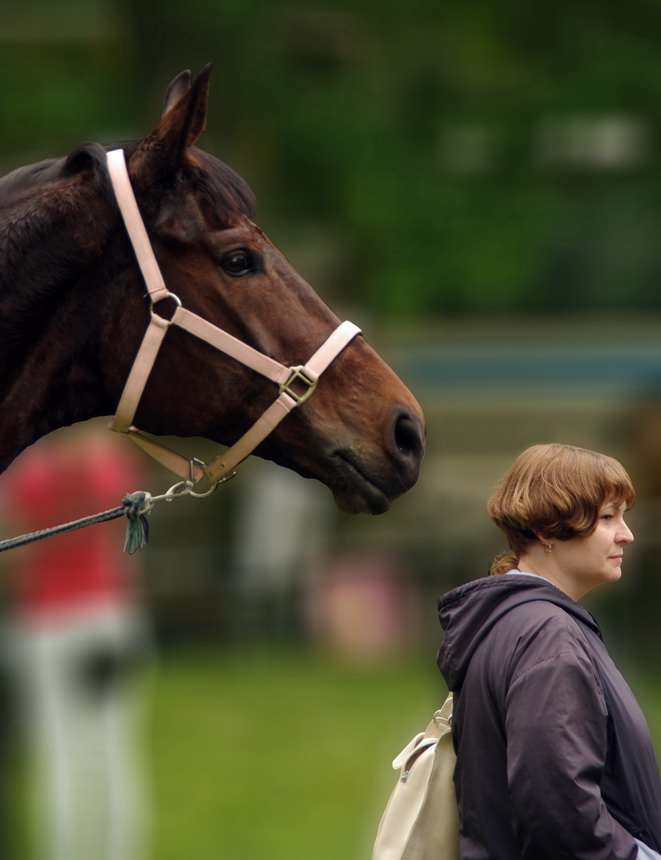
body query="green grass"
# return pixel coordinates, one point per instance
(278, 755)
(284, 755)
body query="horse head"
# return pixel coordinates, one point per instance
(362, 433)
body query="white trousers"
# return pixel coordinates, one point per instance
(80, 706)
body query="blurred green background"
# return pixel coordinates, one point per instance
(478, 185)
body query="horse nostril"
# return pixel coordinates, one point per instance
(409, 439)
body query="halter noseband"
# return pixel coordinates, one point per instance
(295, 384)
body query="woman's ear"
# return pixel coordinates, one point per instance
(544, 541)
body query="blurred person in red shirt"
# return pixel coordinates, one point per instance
(77, 635)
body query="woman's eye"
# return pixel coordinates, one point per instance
(238, 263)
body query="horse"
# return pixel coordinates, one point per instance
(74, 312)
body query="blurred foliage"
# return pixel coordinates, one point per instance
(439, 157)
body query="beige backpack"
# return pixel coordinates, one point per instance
(421, 821)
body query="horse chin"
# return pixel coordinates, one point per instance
(354, 489)
(354, 503)
(354, 492)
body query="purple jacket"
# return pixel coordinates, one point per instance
(554, 757)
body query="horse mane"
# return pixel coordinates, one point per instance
(29, 176)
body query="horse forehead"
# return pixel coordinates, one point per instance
(219, 186)
(190, 221)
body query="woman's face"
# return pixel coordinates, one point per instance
(586, 562)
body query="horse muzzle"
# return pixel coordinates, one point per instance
(365, 480)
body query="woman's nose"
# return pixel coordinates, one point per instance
(626, 535)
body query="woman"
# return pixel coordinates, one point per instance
(554, 758)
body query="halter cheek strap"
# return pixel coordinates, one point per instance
(295, 384)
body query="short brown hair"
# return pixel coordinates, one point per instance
(556, 490)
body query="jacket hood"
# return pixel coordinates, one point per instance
(469, 612)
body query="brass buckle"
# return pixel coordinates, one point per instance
(297, 373)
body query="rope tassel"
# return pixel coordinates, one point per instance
(135, 507)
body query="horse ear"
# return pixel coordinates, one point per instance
(183, 121)
(86, 156)
(178, 87)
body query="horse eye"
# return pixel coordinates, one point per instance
(238, 263)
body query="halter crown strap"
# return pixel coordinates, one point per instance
(296, 383)
(135, 226)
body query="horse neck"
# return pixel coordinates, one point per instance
(50, 274)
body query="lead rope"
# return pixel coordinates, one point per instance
(136, 507)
